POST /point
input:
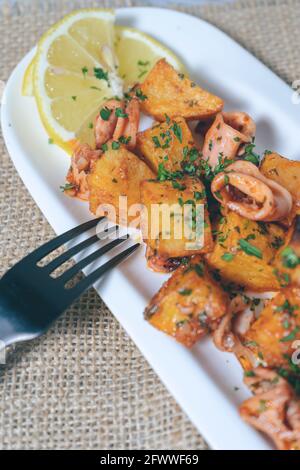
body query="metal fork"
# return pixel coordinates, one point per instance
(31, 300)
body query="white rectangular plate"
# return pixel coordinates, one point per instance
(203, 380)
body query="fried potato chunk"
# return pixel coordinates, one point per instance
(189, 304)
(176, 221)
(285, 172)
(165, 144)
(170, 93)
(117, 173)
(272, 335)
(243, 252)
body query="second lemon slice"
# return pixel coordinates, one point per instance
(137, 53)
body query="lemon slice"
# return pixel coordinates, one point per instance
(71, 76)
(137, 53)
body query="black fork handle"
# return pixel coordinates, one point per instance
(12, 328)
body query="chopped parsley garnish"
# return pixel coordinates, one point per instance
(167, 119)
(91, 125)
(142, 73)
(199, 268)
(177, 185)
(100, 74)
(84, 70)
(120, 113)
(124, 140)
(199, 195)
(185, 291)
(164, 174)
(193, 154)
(139, 94)
(143, 63)
(156, 141)
(177, 131)
(249, 249)
(249, 373)
(115, 145)
(67, 186)
(104, 147)
(251, 156)
(50, 141)
(74, 98)
(289, 258)
(227, 257)
(105, 113)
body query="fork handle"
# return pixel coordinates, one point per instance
(13, 327)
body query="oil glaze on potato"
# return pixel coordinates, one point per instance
(188, 305)
(171, 93)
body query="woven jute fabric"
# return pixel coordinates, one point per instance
(84, 385)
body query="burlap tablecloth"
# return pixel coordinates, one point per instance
(85, 385)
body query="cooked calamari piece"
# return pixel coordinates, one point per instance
(273, 409)
(245, 190)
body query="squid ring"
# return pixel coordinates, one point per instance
(243, 189)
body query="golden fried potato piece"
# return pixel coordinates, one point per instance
(168, 233)
(272, 335)
(243, 252)
(285, 172)
(189, 304)
(166, 143)
(171, 93)
(117, 173)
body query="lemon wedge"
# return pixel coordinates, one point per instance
(137, 53)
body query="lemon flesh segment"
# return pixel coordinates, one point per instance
(137, 53)
(92, 34)
(70, 78)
